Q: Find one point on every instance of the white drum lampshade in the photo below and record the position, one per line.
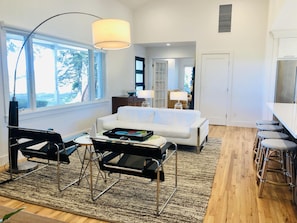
(111, 34)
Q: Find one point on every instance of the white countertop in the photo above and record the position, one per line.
(286, 113)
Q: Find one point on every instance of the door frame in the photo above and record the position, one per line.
(198, 82)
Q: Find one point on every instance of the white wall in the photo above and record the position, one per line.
(120, 64)
(197, 20)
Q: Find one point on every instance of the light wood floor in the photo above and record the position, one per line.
(234, 195)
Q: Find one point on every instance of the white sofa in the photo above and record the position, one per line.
(184, 127)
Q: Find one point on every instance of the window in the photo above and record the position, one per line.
(188, 79)
(139, 73)
(52, 72)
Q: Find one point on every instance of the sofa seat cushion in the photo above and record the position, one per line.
(158, 129)
(172, 131)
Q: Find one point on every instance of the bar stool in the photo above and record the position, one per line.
(285, 150)
(275, 128)
(267, 122)
(266, 135)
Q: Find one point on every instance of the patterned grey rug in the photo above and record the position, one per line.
(128, 201)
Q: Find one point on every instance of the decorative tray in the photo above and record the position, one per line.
(128, 134)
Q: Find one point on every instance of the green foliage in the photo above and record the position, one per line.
(72, 66)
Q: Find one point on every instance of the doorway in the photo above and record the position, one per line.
(215, 85)
(177, 54)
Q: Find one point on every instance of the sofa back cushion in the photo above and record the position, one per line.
(176, 117)
(135, 114)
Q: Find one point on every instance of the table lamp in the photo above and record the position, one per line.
(107, 34)
(146, 94)
(179, 96)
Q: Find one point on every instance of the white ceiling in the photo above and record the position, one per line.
(133, 4)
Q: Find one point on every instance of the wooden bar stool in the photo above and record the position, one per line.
(285, 151)
(266, 135)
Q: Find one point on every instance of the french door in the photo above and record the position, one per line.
(160, 87)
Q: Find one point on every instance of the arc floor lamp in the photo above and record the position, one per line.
(107, 34)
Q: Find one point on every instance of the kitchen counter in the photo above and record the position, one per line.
(286, 113)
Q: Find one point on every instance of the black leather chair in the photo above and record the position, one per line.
(137, 159)
(44, 145)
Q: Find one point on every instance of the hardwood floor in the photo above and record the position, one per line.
(234, 194)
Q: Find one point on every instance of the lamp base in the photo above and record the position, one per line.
(145, 103)
(25, 167)
(13, 113)
(178, 105)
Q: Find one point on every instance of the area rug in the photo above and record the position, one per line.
(129, 200)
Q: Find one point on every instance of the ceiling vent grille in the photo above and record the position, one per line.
(225, 15)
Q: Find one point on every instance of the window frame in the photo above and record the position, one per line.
(137, 72)
(30, 61)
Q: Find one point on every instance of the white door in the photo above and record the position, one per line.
(160, 86)
(214, 95)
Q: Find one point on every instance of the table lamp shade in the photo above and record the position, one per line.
(111, 34)
(145, 94)
(179, 95)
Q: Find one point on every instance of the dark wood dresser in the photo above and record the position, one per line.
(125, 100)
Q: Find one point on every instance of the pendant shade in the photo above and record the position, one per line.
(111, 34)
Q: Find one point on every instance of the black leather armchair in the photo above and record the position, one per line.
(42, 144)
(137, 159)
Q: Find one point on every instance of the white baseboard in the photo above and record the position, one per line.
(247, 124)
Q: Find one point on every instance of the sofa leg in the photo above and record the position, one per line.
(199, 148)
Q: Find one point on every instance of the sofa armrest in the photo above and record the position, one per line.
(200, 128)
(197, 123)
(100, 121)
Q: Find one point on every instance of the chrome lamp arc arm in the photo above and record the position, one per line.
(107, 34)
